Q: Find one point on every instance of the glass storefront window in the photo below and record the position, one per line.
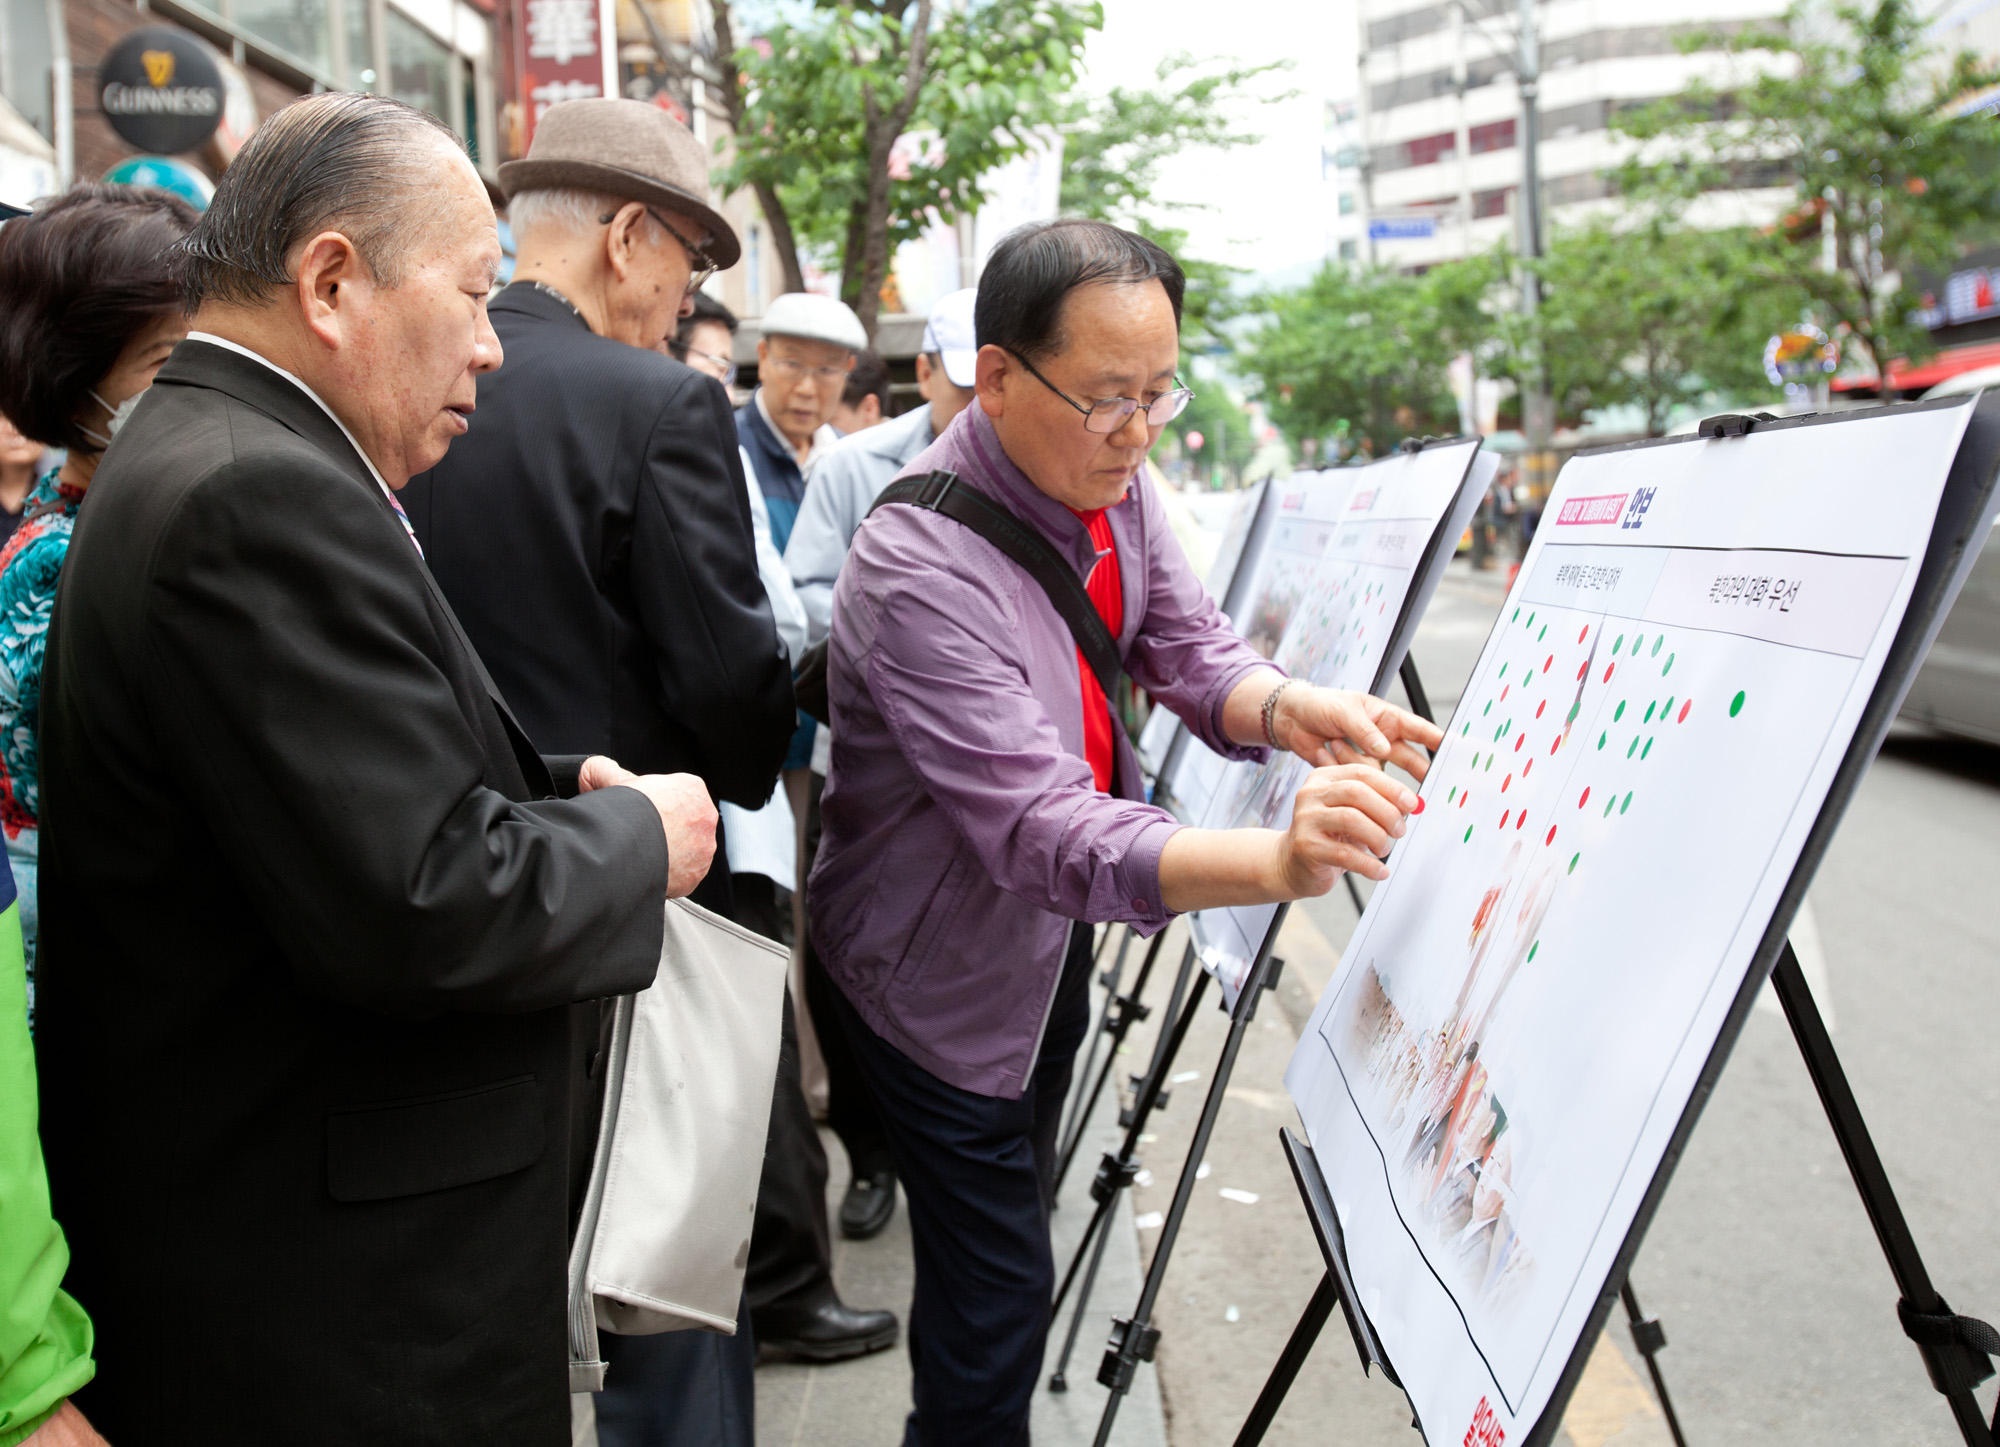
(297, 27)
(419, 68)
(25, 60)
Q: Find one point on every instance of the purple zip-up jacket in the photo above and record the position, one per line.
(962, 832)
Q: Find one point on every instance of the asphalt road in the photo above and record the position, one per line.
(1778, 1308)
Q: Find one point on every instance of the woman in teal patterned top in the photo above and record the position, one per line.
(88, 311)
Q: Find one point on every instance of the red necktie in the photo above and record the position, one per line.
(1107, 592)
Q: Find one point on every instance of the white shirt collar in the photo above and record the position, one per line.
(243, 351)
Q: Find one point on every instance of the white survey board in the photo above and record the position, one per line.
(1346, 568)
(1492, 1078)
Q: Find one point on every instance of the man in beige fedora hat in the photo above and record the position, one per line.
(592, 530)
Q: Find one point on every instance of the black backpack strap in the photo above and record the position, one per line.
(943, 492)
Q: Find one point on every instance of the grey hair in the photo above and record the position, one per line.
(559, 207)
(345, 162)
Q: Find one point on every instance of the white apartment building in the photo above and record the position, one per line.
(1428, 160)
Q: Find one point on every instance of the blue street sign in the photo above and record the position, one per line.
(1402, 228)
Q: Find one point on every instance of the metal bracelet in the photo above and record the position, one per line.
(1271, 710)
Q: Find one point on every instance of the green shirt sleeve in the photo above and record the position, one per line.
(45, 1338)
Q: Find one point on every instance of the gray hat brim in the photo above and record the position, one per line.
(517, 176)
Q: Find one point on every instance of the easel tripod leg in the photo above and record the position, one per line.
(1079, 1108)
(1131, 1011)
(1059, 1379)
(1324, 1297)
(1649, 1337)
(1955, 1363)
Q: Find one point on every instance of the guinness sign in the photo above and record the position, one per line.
(161, 90)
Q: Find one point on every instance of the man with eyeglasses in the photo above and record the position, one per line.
(984, 807)
(592, 532)
(808, 347)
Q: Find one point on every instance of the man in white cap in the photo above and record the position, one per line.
(808, 347)
(845, 483)
(848, 478)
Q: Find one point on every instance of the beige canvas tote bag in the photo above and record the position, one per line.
(665, 1229)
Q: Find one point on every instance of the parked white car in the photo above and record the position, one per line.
(1958, 689)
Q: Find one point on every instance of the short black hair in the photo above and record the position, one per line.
(338, 161)
(707, 311)
(1035, 268)
(79, 278)
(870, 378)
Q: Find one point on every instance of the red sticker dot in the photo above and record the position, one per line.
(1555, 743)
(1527, 768)
(1607, 671)
(1684, 711)
(1519, 739)
(1586, 631)
(1581, 669)
(1540, 706)
(1522, 820)
(1586, 797)
(1552, 835)
(1503, 817)
(1548, 663)
(1463, 797)
(1505, 782)
(1420, 805)
(1503, 692)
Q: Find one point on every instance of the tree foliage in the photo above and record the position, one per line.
(1853, 108)
(825, 95)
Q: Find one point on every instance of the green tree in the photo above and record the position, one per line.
(1659, 317)
(819, 100)
(1370, 349)
(1853, 107)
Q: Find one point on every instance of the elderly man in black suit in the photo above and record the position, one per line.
(323, 932)
(593, 531)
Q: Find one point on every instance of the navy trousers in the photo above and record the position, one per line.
(978, 1174)
(679, 1389)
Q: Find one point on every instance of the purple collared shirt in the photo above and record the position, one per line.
(962, 831)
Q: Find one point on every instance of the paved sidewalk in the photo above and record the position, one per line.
(863, 1403)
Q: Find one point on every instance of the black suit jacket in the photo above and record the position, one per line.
(313, 927)
(592, 531)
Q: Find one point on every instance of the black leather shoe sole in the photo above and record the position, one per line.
(866, 1210)
(830, 1349)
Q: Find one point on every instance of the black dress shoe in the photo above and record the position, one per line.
(868, 1205)
(831, 1332)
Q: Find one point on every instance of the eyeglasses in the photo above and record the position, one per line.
(1108, 414)
(792, 370)
(698, 259)
(725, 369)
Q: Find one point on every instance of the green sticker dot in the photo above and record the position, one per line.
(1488, 709)
(1468, 835)
(1517, 613)
(1736, 705)
(1630, 750)
(1531, 951)
(1626, 805)
(1637, 639)
(1503, 670)
(1647, 750)
(1574, 710)
(1619, 712)
(1667, 667)
(1531, 617)
(1452, 795)
(1656, 644)
(1489, 763)
(1619, 644)
(1667, 707)
(1466, 730)
(1609, 805)
(1543, 634)
(1649, 713)
(1600, 739)
(1572, 862)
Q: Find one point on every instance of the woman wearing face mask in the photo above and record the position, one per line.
(88, 311)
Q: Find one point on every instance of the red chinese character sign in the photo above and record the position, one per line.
(1493, 1079)
(566, 50)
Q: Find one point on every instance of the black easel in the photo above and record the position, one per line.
(1134, 1338)
(1079, 1110)
(1120, 1014)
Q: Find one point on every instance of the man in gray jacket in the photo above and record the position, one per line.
(855, 470)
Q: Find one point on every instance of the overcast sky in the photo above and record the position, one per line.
(1269, 205)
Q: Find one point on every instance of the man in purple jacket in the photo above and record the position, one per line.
(982, 811)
